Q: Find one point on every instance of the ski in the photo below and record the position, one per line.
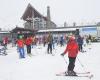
(30, 55)
(76, 72)
(82, 72)
(83, 51)
(88, 76)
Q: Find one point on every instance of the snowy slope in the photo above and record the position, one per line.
(43, 66)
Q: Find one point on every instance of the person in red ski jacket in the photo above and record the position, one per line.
(5, 42)
(72, 50)
(28, 43)
(20, 45)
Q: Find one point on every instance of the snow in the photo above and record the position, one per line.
(43, 66)
(63, 29)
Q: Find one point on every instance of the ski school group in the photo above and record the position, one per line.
(73, 46)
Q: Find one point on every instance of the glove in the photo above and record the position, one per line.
(62, 54)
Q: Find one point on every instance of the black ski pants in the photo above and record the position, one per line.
(28, 49)
(49, 49)
(80, 47)
(71, 63)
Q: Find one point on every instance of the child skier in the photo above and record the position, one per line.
(20, 44)
(72, 49)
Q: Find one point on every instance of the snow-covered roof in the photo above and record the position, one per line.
(4, 32)
(54, 30)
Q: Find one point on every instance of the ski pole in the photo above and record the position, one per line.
(64, 59)
(80, 62)
(82, 65)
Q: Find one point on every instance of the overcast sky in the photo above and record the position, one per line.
(79, 11)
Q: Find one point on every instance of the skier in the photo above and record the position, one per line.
(61, 41)
(80, 43)
(34, 41)
(72, 49)
(28, 45)
(5, 42)
(49, 41)
(90, 39)
(44, 40)
(20, 45)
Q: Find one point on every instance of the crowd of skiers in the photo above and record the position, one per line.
(74, 45)
(48, 39)
(29, 41)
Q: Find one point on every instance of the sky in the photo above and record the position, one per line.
(79, 11)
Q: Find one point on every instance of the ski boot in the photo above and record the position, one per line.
(71, 73)
(74, 73)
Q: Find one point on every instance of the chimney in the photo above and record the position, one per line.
(48, 13)
(48, 17)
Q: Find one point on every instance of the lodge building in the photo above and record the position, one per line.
(34, 20)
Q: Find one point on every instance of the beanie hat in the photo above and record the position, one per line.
(20, 37)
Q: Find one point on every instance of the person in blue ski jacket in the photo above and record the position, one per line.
(80, 43)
